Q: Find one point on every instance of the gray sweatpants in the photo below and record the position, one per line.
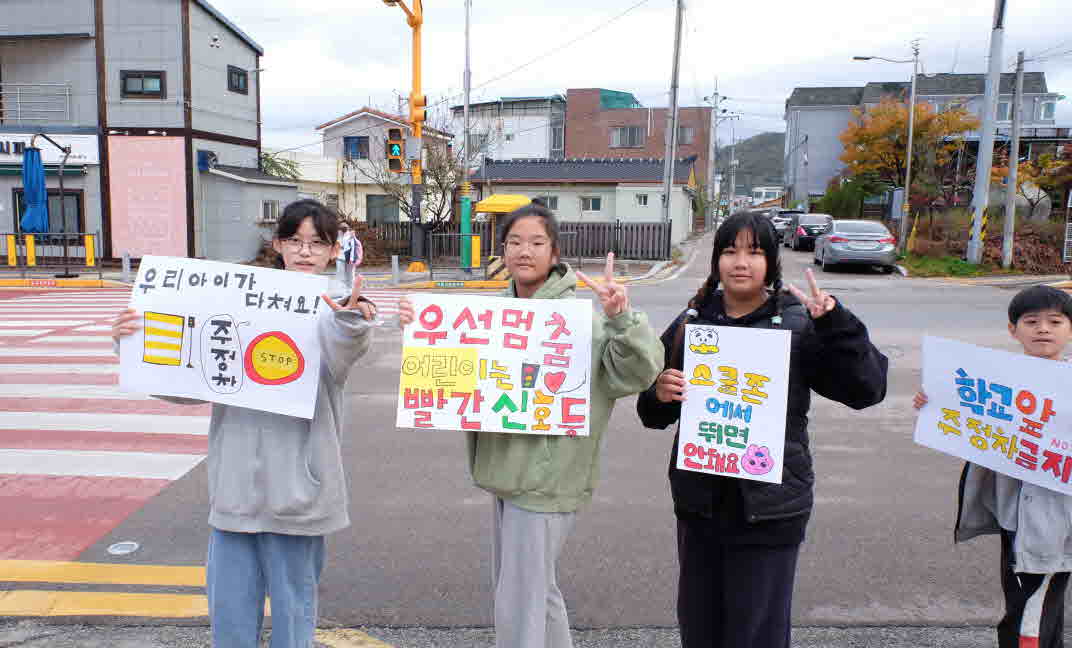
(529, 609)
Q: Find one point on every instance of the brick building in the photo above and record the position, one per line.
(609, 124)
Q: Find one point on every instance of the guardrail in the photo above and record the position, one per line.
(48, 252)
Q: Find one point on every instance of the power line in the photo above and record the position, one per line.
(542, 56)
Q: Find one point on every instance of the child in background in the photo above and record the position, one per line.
(1035, 523)
(276, 482)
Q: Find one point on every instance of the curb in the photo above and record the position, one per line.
(61, 283)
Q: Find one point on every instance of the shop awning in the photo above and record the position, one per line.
(50, 170)
(501, 203)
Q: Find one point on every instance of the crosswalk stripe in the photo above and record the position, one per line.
(136, 465)
(107, 422)
(50, 367)
(70, 391)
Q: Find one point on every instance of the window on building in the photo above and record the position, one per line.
(642, 200)
(237, 80)
(72, 220)
(331, 201)
(141, 84)
(558, 137)
(269, 211)
(356, 147)
(478, 143)
(1003, 111)
(1048, 109)
(627, 137)
(509, 137)
(591, 203)
(550, 202)
(685, 135)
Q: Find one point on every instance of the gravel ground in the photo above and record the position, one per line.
(36, 634)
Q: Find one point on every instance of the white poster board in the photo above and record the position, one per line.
(225, 333)
(733, 418)
(1005, 411)
(496, 364)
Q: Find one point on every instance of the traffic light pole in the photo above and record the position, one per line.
(415, 19)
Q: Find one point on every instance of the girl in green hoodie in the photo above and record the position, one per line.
(538, 482)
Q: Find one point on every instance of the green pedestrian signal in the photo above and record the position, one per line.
(396, 150)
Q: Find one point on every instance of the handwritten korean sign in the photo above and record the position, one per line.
(496, 364)
(999, 410)
(733, 419)
(225, 333)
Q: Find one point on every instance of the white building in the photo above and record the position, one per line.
(514, 128)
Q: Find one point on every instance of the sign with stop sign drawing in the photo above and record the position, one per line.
(225, 333)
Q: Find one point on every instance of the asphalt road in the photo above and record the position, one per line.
(879, 549)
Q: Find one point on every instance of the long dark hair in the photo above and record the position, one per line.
(325, 221)
(763, 237)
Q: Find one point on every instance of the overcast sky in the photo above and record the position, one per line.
(324, 58)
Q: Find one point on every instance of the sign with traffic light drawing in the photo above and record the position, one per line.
(225, 333)
(496, 364)
(733, 419)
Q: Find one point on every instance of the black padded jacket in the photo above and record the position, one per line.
(832, 355)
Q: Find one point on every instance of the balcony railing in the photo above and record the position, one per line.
(35, 102)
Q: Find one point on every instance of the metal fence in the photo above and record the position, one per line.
(640, 241)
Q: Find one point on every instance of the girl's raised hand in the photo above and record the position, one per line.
(670, 386)
(406, 314)
(366, 308)
(612, 295)
(819, 302)
(125, 323)
(920, 400)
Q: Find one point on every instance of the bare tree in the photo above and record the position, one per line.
(443, 171)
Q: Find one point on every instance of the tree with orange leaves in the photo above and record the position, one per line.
(874, 143)
(1036, 179)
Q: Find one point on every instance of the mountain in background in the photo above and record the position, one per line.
(760, 161)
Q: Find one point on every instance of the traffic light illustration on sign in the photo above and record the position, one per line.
(396, 150)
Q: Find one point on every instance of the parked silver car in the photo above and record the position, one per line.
(856, 241)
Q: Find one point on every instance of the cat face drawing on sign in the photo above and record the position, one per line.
(703, 340)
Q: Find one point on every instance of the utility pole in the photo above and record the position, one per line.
(984, 160)
(467, 204)
(1014, 163)
(733, 166)
(671, 115)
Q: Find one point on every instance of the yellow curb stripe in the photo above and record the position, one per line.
(54, 571)
(348, 638)
(56, 283)
(36, 603)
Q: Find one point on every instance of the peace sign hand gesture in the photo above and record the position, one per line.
(365, 307)
(611, 294)
(819, 302)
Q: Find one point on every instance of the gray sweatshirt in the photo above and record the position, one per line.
(280, 474)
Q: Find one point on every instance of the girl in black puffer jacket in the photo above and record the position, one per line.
(738, 540)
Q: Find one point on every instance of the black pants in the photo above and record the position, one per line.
(732, 596)
(1019, 588)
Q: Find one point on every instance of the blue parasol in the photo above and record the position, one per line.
(35, 219)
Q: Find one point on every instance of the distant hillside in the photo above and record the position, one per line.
(761, 158)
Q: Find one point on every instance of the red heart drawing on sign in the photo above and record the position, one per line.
(554, 380)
